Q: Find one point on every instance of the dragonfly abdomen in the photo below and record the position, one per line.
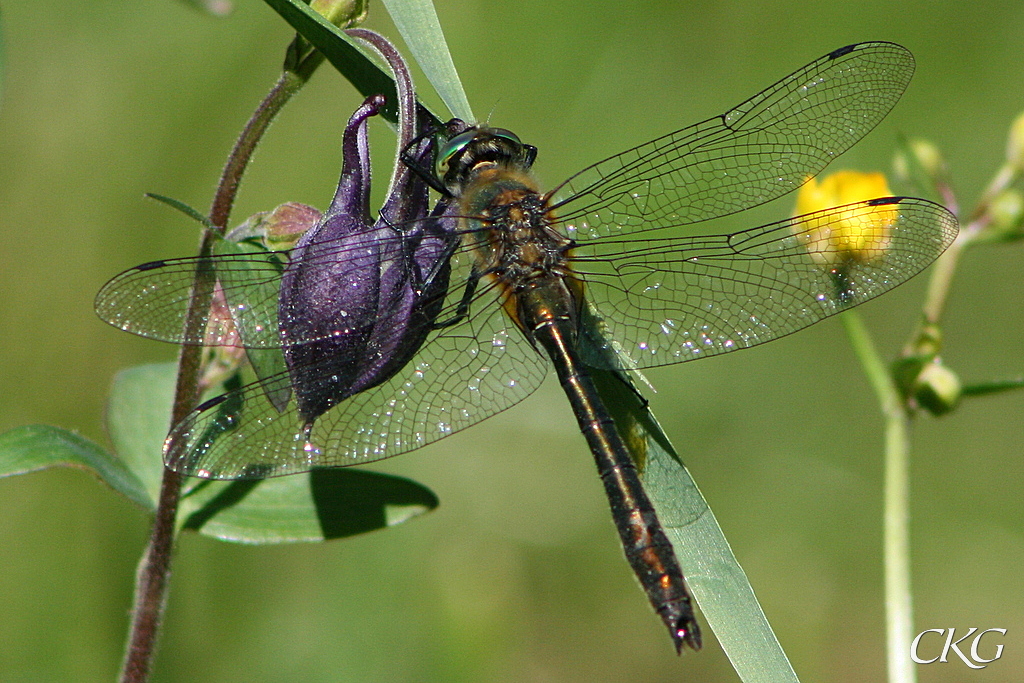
(647, 548)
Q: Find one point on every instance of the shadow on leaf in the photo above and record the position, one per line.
(317, 506)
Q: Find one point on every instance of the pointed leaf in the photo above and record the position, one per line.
(993, 387)
(35, 447)
(182, 207)
(417, 21)
(343, 53)
(138, 419)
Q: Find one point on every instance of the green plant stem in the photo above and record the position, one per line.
(942, 279)
(942, 274)
(897, 414)
(898, 604)
(155, 567)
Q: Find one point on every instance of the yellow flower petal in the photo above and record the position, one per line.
(845, 235)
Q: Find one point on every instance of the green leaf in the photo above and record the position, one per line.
(714, 576)
(993, 387)
(260, 308)
(182, 207)
(35, 447)
(138, 419)
(343, 53)
(417, 21)
(315, 506)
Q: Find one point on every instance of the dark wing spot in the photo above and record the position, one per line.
(885, 201)
(215, 401)
(836, 54)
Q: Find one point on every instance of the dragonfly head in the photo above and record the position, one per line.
(478, 147)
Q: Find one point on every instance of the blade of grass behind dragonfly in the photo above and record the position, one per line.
(344, 54)
(714, 577)
(417, 21)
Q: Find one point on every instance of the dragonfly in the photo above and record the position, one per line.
(523, 275)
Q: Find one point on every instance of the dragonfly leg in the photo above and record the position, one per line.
(463, 309)
(429, 175)
(439, 264)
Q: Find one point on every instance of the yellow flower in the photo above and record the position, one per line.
(843, 236)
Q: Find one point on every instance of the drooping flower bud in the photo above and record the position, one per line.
(278, 229)
(937, 388)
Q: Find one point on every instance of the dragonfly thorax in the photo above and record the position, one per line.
(519, 249)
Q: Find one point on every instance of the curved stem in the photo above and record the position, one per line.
(155, 567)
(942, 274)
(287, 85)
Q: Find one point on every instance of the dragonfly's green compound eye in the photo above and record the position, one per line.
(507, 134)
(451, 148)
(459, 143)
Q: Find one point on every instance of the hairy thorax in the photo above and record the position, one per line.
(518, 247)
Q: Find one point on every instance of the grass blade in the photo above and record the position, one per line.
(343, 54)
(417, 21)
(714, 576)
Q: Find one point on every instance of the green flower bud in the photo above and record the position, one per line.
(918, 162)
(937, 388)
(1007, 211)
(287, 223)
(928, 156)
(279, 229)
(1015, 143)
(342, 13)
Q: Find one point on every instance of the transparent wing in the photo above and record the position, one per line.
(463, 374)
(152, 299)
(757, 151)
(670, 300)
(751, 154)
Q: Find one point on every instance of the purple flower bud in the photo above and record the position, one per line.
(367, 292)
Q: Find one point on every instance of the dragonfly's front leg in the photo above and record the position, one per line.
(463, 308)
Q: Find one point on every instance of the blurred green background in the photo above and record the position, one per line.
(518, 576)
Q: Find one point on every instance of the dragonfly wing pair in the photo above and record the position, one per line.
(663, 299)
